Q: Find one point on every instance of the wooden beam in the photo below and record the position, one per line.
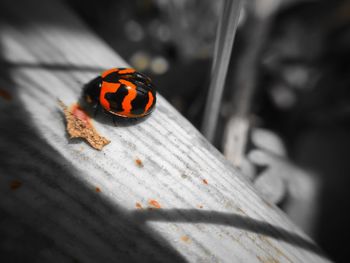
(159, 192)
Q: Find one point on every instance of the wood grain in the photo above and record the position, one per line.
(159, 192)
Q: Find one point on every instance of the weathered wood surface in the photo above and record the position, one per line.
(63, 201)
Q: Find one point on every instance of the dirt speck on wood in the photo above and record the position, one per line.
(139, 162)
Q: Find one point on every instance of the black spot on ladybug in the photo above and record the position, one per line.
(116, 99)
(139, 103)
(112, 77)
(122, 92)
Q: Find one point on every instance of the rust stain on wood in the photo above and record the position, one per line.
(15, 184)
(138, 205)
(80, 126)
(154, 204)
(139, 163)
(185, 239)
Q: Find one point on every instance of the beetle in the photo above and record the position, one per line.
(122, 92)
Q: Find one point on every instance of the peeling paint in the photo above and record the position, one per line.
(80, 126)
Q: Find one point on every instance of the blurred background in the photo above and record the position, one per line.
(282, 115)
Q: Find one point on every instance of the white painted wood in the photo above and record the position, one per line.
(50, 209)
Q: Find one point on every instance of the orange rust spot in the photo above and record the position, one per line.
(150, 101)
(139, 162)
(185, 238)
(132, 93)
(107, 88)
(200, 206)
(15, 184)
(98, 190)
(107, 72)
(138, 205)
(5, 94)
(205, 181)
(154, 203)
(126, 71)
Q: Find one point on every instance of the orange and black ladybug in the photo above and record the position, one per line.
(123, 92)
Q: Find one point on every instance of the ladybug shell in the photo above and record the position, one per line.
(126, 93)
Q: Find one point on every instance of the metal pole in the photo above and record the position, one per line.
(223, 47)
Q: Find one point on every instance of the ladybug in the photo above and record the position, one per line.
(123, 92)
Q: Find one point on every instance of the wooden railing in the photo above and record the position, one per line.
(159, 192)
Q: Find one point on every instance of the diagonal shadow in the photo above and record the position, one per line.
(228, 219)
(52, 66)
